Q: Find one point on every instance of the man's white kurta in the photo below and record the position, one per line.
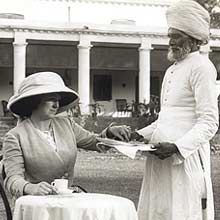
(172, 188)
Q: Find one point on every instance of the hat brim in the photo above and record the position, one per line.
(20, 105)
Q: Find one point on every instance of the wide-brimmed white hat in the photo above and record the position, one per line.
(38, 84)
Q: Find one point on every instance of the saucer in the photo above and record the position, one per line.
(65, 191)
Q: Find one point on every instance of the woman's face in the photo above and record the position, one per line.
(48, 106)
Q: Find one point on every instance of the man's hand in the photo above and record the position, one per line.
(164, 150)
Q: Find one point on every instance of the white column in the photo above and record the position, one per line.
(19, 61)
(144, 71)
(84, 75)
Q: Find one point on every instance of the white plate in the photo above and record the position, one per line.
(113, 143)
(65, 192)
(128, 148)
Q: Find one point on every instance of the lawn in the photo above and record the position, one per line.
(109, 173)
(118, 175)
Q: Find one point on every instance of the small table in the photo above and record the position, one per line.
(78, 206)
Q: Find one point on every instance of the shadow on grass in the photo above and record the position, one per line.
(125, 187)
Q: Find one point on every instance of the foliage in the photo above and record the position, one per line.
(213, 7)
(96, 109)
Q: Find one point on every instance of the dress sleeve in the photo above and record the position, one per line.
(147, 131)
(203, 85)
(13, 162)
(84, 138)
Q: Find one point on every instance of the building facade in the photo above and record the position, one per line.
(103, 61)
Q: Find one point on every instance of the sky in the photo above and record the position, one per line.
(79, 12)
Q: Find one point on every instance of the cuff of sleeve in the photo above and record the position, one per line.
(187, 145)
(178, 159)
(140, 132)
(24, 187)
(19, 187)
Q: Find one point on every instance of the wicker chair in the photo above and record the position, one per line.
(4, 196)
(121, 105)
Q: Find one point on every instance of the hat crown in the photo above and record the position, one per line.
(38, 84)
(39, 80)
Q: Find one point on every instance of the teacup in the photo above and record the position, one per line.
(60, 184)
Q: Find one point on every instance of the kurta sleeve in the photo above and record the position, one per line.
(203, 85)
(147, 131)
(13, 161)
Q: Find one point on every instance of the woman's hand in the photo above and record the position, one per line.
(121, 132)
(42, 188)
(135, 136)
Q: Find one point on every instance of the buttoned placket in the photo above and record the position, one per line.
(167, 89)
(168, 83)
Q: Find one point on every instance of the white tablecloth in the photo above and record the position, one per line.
(78, 206)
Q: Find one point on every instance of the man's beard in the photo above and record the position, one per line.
(179, 53)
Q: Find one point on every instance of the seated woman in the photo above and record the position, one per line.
(43, 146)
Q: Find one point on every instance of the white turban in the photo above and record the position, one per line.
(191, 18)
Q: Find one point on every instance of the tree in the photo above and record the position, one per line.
(213, 7)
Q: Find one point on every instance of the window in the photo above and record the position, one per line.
(102, 87)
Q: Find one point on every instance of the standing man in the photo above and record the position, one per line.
(177, 182)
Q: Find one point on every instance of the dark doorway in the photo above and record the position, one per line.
(102, 87)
